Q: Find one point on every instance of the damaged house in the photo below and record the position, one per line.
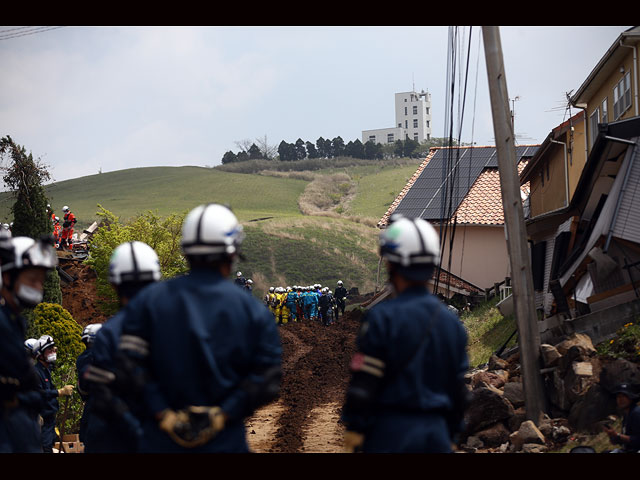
(584, 205)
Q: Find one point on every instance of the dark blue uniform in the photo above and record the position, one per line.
(407, 392)
(203, 343)
(112, 426)
(82, 363)
(51, 406)
(19, 427)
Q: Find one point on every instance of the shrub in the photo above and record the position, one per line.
(626, 343)
(53, 319)
(161, 234)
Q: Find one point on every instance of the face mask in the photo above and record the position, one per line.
(29, 296)
(51, 358)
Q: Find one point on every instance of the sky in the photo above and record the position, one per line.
(86, 100)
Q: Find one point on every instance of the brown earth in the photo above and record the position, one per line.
(315, 359)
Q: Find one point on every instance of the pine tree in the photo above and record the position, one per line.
(25, 177)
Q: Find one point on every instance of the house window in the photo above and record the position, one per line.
(415, 123)
(594, 119)
(405, 110)
(428, 123)
(400, 125)
(605, 114)
(406, 124)
(427, 110)
(415, 137)
(390, 138)
(372, 138)
(622, 96)
(415, 110)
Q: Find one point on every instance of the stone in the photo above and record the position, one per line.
(514, 392)
(527, 433)
(489, 378)
(560, 434)
(519, 416)
(619, 371)
(550, 355)
(473, 442)
(590, 409)
(486, 407)
(533, 448)
(497, 363)
(580, 340)
(494, 436)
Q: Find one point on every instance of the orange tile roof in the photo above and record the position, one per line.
(483, 203)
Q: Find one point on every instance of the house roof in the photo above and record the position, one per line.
(607, 64)
(467, 177)
(557, 132)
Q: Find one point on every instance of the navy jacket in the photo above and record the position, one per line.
(412, 355)
(204, 342)
(19, 428)
(49, 392)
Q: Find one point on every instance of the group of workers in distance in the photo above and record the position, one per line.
(186, 360)
(311, 302)
(63, 233)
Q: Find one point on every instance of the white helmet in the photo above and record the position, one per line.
(239, 274)
(250, 282)
(134, 262)
(211, 229)
(25, 252)
(44, 342)
(89, 332)
(340, 282)
(29, 345)
(410, 242)
(271, 289)
(65, 209)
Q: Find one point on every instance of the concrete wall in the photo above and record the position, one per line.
(602, 325)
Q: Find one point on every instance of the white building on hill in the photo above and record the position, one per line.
(413, 120)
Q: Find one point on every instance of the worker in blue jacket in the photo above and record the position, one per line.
(407, 392)
(292, 296)
(83, 362)
(114, 425)
(46, 352)
(210, 354)
(24, 266)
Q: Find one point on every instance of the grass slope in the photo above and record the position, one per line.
(169, 190)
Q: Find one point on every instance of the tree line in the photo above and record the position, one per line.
(329, 148)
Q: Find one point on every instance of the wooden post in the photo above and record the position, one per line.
(521, 277)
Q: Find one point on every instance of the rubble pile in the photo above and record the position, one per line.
(577, 383)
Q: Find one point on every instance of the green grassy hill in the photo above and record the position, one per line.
(283, 246)
(170, 190)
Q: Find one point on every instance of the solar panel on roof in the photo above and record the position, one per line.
(445, 181)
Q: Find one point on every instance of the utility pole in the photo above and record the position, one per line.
(521, 277)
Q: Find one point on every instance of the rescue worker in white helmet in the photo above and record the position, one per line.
(407, 391)
(341, 298)
(46, 354)
(211, 354)
(24, 265)
(113, 425)
(240, 280)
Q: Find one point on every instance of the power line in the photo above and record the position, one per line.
(33, 31)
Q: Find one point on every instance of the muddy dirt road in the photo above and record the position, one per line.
(306, 418)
